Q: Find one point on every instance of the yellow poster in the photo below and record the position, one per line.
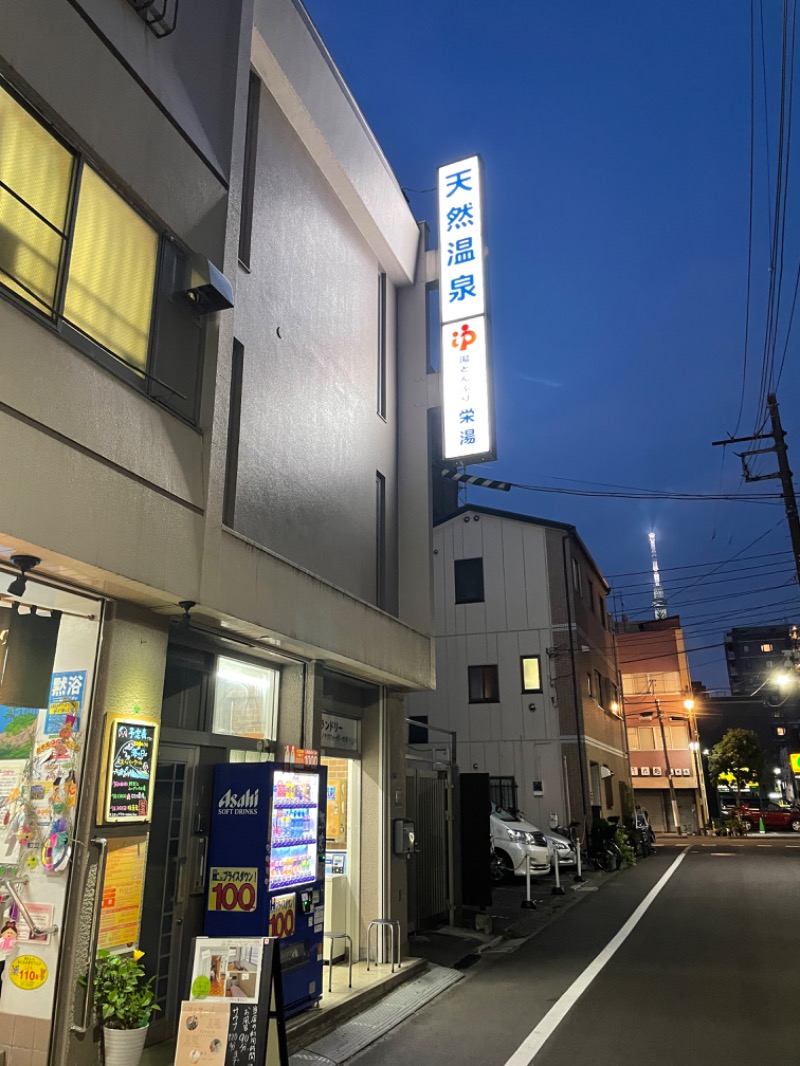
(123, 885)
(232, 888)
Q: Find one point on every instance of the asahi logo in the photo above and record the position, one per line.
(232, 803)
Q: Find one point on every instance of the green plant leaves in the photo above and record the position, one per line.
(123, 997)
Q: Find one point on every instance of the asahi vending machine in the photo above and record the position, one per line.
(266, 874)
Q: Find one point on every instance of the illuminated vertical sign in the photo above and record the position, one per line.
(467, 415)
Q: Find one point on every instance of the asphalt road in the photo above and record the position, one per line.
(706, 975)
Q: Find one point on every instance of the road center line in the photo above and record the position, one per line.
(533, 1043)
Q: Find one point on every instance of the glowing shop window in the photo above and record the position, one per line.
(245, 700)
(111, 272)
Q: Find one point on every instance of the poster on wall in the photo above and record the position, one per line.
(129, 758)
(121, 907)
(66, 699)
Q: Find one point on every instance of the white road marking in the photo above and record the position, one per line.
(791, 845)
(533, 1043)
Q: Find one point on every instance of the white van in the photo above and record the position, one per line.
(514, 841)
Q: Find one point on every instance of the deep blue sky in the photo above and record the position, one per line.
(616, 142)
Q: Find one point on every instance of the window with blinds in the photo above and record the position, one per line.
(73, 249)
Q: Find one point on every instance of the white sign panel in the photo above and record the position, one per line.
(467, 417)
(465, 389)
(462, 288)
(341, 733)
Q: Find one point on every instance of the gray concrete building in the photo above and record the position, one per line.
(213, 393)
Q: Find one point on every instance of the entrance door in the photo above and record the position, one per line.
(174, 903)
(429, 868)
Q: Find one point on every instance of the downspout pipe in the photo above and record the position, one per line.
(576, 688)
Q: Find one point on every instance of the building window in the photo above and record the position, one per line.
(598, 688)
(601, 603)
(249, 170)
(76, 251)
(234, 422)
(608, 786)
(766, 647)
(380, 540)
(382, 334)
(531, 673)
(468, 575)
(112, 270)
(245, 700)
(780, 731)
(577, 584)
(647, 738)
(633, 739)
(484, 686)
(589, 688)
(590, 588)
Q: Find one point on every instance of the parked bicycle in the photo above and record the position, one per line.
(603, 851)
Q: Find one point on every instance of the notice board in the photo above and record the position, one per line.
(129, 760)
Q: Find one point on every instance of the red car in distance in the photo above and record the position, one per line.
(773, 814)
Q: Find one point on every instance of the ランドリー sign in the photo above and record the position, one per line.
(467, 414)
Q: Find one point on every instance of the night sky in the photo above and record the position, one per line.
(616, 139)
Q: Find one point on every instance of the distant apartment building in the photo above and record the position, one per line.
(754, 654)
(526, 675)
(660, 722)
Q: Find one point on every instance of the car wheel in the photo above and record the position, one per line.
(794, 825)
(506, 863)
(747, 825)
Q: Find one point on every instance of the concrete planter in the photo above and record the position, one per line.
(123, 1047)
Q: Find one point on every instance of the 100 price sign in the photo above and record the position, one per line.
(232, 888)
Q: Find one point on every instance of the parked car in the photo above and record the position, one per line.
(774, 815)
(516, 841)
(564, 846)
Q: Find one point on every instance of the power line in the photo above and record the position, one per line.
(689, 566)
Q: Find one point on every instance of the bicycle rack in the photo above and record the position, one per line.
(8, 884)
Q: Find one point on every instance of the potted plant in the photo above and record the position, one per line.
(124, 1001)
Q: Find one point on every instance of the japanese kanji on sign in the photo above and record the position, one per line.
(467, 416)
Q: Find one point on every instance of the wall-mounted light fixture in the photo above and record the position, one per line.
(23, 563)
(209, 289)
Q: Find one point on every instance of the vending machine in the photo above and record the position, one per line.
(266, 866)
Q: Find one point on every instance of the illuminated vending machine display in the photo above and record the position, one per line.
(266, 871)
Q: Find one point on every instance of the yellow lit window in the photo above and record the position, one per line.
(38, 172)
(111, 272)
(531, 674)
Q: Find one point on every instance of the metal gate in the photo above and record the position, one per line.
(430, 889)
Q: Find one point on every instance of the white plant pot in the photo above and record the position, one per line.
(123, 1047)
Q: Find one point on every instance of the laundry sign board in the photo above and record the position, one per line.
(130, 749)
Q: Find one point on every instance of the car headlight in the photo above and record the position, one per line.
(561, 845)
(518, 835)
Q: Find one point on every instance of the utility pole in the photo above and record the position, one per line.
(673, 798)
(783, 474)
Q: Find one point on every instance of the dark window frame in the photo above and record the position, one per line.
(380, 540)
(522, 661)
(492, 673)
(463, 574)
(143, 381)
(382, 346)
(234, 426)
(249, 170)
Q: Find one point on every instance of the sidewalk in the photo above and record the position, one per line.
(445, 952)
